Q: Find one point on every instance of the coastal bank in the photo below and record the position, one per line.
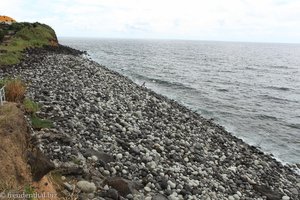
(114, 139)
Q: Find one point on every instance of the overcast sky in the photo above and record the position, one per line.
(224, 20)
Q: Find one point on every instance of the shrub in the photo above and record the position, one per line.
(14, 90)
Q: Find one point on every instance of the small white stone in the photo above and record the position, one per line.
(239, 193)
(113, 171)
(195, 173)
(106, 187)
(223, 158)
(285, 198)
(230, 198)
(222, 188)
(236, 196)
(186, 159)
(148, 198)
(94, 158)
(106, 172)
(173, 196)
(147, 189)
(232, 168)
(171, 184)
(119, 156)
(63, 178)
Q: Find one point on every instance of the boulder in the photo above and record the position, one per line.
(268, 192)
(124, 187)
(86, 186)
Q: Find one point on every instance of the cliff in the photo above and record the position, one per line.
(16, 37)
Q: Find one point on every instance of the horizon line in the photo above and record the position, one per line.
(177, 39)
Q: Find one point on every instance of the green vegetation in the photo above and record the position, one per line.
(26, 35)
(30, 192)
(2, 82)
(31, 106)
(38, 123)
(15, 92)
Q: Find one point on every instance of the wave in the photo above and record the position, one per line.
(223, 90)
(266, 117)
(268, 97)
(296, 126)
(278, 88)
(279, 67)
(172, 84)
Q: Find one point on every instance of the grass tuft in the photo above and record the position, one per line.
(38, 123)
(14, 90)
(30, 106)
(29, 191)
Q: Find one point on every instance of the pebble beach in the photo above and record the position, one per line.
(128, 142)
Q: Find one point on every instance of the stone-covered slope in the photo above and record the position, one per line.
(107, 126)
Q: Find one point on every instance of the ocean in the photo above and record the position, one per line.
(252, 89)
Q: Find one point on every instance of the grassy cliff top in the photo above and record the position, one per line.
(15, 38)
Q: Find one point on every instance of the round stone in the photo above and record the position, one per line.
(94, 158)
(119, 156)
(147, 189)
(106, 187)
(236, 196)
(231, 198)
(285, 198)
(171, 184)
(239, 193)
(86, 186)
(106, 172)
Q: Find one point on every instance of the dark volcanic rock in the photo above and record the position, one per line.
(268, 192)
(124, 187)
(39, 163)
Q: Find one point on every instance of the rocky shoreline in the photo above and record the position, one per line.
(119, 140)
